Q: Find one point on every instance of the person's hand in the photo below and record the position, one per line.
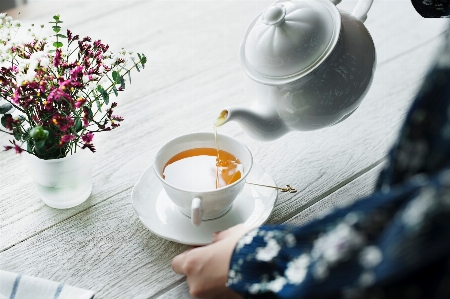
(206, 268)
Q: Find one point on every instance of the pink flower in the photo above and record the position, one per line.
(64, 123)
(16, 96)
(18, 149)
(66, 138)
(9, 121)
(80, 102)
(75, 73)
(69, 35)
(57, 58)
(57, 94)
(85, 116)
(87, 138)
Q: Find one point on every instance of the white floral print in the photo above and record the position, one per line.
(417, 209)
(370, 256)
(267, 253)
(290, 240)
(247, 239)
(337, 244)
(296, 269)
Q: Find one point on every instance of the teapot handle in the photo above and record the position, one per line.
(361, 9)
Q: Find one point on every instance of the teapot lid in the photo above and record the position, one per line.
(289, 39)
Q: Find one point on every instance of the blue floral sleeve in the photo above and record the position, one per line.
(392, 244)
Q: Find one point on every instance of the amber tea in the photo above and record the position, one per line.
(202, 169)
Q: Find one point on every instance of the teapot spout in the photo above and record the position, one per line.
(260, 123)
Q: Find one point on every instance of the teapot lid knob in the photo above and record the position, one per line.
(289, 39)
(274, 14)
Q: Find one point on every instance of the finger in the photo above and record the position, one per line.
(217, 236)
(178, 262)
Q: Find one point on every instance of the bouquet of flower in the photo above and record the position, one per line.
(56, 88)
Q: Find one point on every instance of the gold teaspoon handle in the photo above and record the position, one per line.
(287, 188)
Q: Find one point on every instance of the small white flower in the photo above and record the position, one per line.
(33, 64)
(85, 79)
(296, 269)
(16, 24)
(45, 62)
(269, 252)
(30, 75)
(2, 16)
(90, 86)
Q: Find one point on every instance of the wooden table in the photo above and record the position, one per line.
(193, 72)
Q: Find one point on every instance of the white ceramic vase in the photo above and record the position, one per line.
(62, 183)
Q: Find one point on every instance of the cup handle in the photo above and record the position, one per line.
(196, 213)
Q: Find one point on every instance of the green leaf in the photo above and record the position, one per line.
(91, 115)
(40, 147)
(122, 82)
(56, 29)
(105, 97)
(56, 17)
(21, 118)
(104, 94)
(137, 66)
(57, 44)
(78, 125)
(115, 92)
(99, 105)
(142, 59)
(5, 108)
(3, 120)
(61, 35)
(30, 146)
(115, 76)
(38, 133)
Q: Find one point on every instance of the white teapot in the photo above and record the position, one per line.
(314, 65)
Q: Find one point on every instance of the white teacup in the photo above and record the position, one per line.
(203, 204)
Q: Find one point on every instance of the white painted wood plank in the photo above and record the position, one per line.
(360, 187)
(315, 161)
(104, 248)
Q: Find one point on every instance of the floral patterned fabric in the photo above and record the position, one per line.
(392, 244)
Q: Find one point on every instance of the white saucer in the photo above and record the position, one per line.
(161, 216)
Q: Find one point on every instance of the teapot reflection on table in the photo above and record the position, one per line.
(313, 64)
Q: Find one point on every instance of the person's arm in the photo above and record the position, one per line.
(384, 240)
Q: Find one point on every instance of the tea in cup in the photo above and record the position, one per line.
(202, 181)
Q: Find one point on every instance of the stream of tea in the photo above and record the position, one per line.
(203, 168)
